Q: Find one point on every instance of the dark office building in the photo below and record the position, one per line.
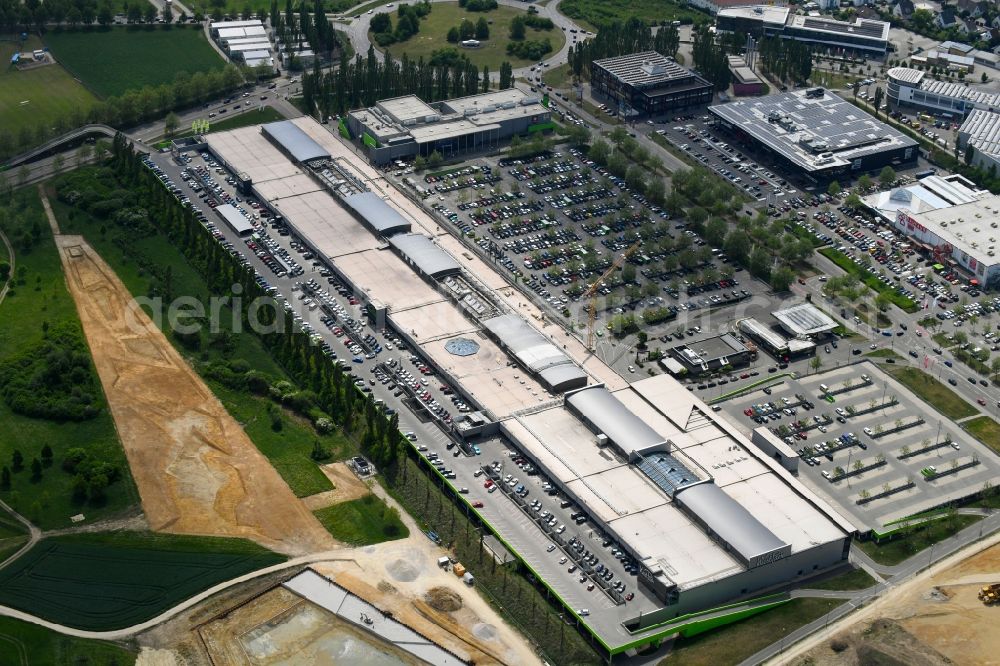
(648, 83)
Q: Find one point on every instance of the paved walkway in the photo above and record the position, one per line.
(53, 222)
(13, 266)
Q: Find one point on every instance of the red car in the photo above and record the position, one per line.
(477, 504)
(981, 401)
(488, 483)
(748, 411)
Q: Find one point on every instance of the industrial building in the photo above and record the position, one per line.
(715, 6)
(816, 133)
(911, 88)
(707, 516)
(950, 221)
(981, 130)
(712, 354)
(745, 80)
(648, 83)
(861, 36)
(246, 42)
(404, 127)
(805, 321)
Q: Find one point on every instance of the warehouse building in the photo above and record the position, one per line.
(404, 127)
(861, 36)
(816, 133)
(911, 88)
(707, 517)
(648, 83)
(981, 130)
(245, 42)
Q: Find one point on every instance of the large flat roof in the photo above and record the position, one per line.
(646, 69)
(804, 319)
(802, 129)
(289, 136)
(772, 14)
(926, 194)
(859, 28)
(234, 218)
(966, 227)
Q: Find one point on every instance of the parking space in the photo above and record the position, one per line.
(868, 445)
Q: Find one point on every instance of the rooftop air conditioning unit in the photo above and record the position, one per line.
(602, 439)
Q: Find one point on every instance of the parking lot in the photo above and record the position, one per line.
(867, 444)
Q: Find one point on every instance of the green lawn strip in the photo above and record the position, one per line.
(363, 521)
(867, 277)
(10, 526)
(493, 51)
(36, 97)
(855, 579)
(43, 297)
(558, 77)
(113, 60)
(106, 581)
(884, 353)
(26, 643)
(287, 449)
(942, 340)
(907, 543)
(932, 391)
(592, 13)
(986, 430)
(252, 117)
(734, 643)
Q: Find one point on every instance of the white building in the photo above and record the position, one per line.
(959, 224)
(912, 88)
(981, 130)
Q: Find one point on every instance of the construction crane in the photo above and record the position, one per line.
(591, 293)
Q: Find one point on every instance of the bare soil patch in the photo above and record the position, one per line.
(196, 469)
(346, 486)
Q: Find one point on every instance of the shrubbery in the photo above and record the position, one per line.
(54, 380)
(529, 49)
(478, 5)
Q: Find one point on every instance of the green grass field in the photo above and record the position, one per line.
(13, 535)
(288, 449)
(26, 643)
(558, 77)
(434, 29)
(29, 98)
(932, 391)
(44, 298)
(112, 61)
(986, 430)
(884, 353)
(855, 579)
(253, 117)
(108, 581)
(894, 550)
(592, 13)
(363, 521)
(733, 643)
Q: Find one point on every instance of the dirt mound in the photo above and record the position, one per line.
(402, 571)
(387, 587)
(443, 599)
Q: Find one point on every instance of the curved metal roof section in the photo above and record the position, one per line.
(730, 521)
(609, 416)
(379, 215)
(536, 352)
(423, 253)
(294, 141)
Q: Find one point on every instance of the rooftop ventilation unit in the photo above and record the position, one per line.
(653, 69)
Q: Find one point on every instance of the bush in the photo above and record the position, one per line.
(54, 380)
(529, 49)
(478, 5)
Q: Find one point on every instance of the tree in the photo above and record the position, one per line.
(453, 35)
(482, 28)
(816, 363)
(47, 455)
(834, 189)
(170, 124)
(517, 28)
(887, 176)
(419, 163)
(17, 460)
(781, 278)
(149, 13)
(168, 14)
(36, 470)
(864, 182)
(434, 160)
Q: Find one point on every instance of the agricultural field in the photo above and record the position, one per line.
(25, 643)
(114, 60)
(35, 303)
(109, 581)
(33, 97)
(445, 15)
(363, 521)
(592, 13)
